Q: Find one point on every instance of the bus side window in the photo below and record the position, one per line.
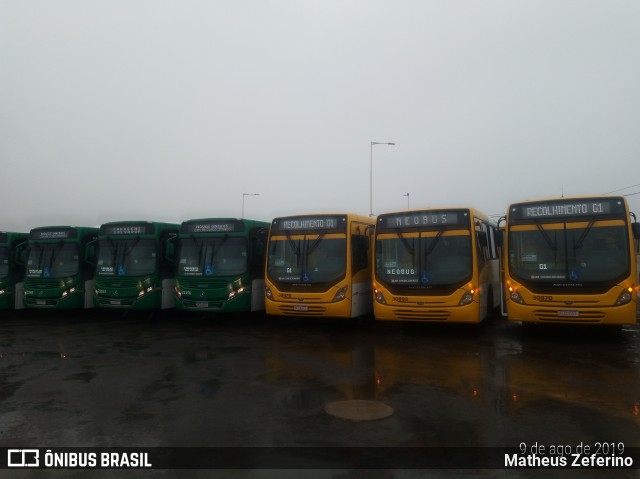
(493, 250)
(481, 242)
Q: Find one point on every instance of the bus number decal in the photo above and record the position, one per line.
(542, 298)
(401, 299)
(543, 266)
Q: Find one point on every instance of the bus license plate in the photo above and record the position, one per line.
(572, 314)
(301, 308)
(202, 305)
(115, 302)
(41, 302)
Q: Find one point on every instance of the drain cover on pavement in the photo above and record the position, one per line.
(358, 410)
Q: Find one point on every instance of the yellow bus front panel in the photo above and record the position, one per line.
(423, 308)
(605, 308)
(336, 302)
(571, 261)
(319, 265)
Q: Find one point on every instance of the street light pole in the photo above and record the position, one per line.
(247, 194)
(407, 195)
(371, 174)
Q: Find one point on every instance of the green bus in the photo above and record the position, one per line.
(12, 247)
(59, 267)
(134, 269)
(220, 265)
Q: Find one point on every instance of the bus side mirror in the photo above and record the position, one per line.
(20, 254)
(635, 227)
(90, 252)
(499, 238)
(170, 248)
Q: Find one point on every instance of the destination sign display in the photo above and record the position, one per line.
(310, 223)
(4, 237)
(568, 209)
(52, 234)
(417, 219)
(127, 229)
(194, 227)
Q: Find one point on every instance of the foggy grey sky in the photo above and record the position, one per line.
(170, 110)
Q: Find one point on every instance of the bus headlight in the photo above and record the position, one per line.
(624, 298)
(144, 291)
(2, 291)
(178, 291)
(68, 292)
(236, 292)
(268, 293)
(340, 295)
(467, 298)
(379, 297)
(516, 297)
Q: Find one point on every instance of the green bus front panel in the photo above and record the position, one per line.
(53, 294)
(214, 295)
(133, 293)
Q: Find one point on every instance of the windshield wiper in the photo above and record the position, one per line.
(216, 250)
(294, 247)
(54, 254)
(405, 243)
(546, 237)
(583, 236)
(127, 252)
(433, 244)
(315, 244)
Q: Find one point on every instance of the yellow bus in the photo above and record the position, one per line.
(571, 260)
(437, 265)
(319, 265)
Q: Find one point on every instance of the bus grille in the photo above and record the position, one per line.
(310, 311)
(203, 284)
(49, 285)
(117, 283)
(422, 315)
(585, 317)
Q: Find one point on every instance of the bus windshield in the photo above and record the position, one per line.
(591, 254)
(221, 256)
(126, 257)
(4, 262)
(423, 261)
(309, 259)
(53, 260)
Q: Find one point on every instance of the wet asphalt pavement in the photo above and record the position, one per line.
(140, 380)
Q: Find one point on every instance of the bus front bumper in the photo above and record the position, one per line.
(446, 314)
(610, 315)
(339, 309)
